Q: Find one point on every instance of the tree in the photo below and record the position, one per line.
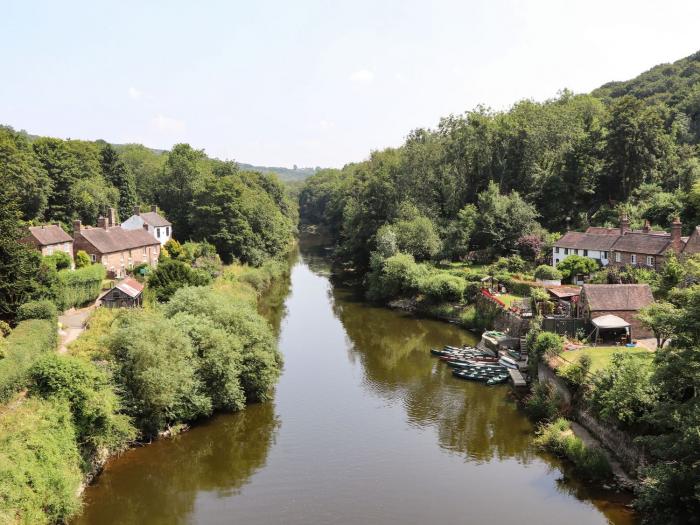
(661, 318)
(82, 259)
(170, 275)
(574, 265)
(117, 174)
(418, 237)
(546, 272)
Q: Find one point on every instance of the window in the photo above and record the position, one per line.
(618, 257)
(65, 247)
(93, 257)
(633, 260)
(167, 231)
(556, 249)
(650, 260)
(585, 253)
(566, 251)
(49, 250)
(121, 258)
(605, 255)
(158, 232)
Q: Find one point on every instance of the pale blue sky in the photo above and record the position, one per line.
(310, 82)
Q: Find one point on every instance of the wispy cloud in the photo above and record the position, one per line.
(134, 93)
(362, 77)
(168, 124)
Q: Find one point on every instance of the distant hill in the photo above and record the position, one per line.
(285, 174)
(676, 85)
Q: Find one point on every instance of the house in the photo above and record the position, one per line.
(49, 239)
(156, 224)
(114, 247)
(619, 300)
(623, 246)
(126, 293)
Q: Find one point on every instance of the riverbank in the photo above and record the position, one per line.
(134, 376)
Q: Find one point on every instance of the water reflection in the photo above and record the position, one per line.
(163, 480)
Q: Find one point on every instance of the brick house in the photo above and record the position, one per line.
(155, 224)
(49, 239)
(113, 246)
(592, 244)
(621, 300)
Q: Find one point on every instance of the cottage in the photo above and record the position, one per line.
(619, 300)
(626, 247)
(114, 247)
(154, 223)
(127, 293)
(49, 239)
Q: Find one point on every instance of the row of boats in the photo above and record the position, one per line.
(472, 364)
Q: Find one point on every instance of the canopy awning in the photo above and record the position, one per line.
(609, 322)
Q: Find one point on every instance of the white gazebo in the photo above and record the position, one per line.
(609, 322)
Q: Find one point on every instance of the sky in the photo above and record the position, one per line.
(311, 82)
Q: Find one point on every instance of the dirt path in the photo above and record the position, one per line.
(72, 323)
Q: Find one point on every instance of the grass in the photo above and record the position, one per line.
(509, 299)
(602, 355)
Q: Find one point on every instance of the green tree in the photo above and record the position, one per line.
(661, 318)
(117, 174)
(574, 265)
(82, 259)
(170, 275)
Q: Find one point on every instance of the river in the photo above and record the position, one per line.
(365, 428)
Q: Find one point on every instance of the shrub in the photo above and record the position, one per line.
(82, 259)
(43, 309)
(39, 464)
(547, 273)
(59, 260)
(397, 276)
(5, 329)
(92, 400)
(548, 343)
(175, 251)
(576, 374)
(442, 287)
(155, 366)
(560, 440)
(574, 265)
(80, 286)
(512, 264)
(22, 348)
(543, 402)
(170, 275)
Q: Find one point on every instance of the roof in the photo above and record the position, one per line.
(564, 292)
(598, 230)
(587, 241)
(609, 321)
(152, 218)
(49, 234)
(646, 243)
(117, 239)
(617, 297)
(130, 287)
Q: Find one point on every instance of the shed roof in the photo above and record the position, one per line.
(617, 297)
(130, 287)
(154, 219)
(587, 241)
(49, 234)
(117, 239)
(564, 292)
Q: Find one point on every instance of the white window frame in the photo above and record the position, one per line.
(93, 257)
(650, 260)
(618, 257)
(633, 258)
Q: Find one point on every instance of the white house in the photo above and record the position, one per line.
(594, 243)
(151, 221)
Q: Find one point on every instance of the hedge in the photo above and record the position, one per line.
(80, 286)
(44, 309)
(27, 342)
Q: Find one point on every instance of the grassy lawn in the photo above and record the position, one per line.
(467, 267)
(601, 355)
(509, 299)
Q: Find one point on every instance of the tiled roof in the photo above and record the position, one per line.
(617, 297)
(154, 219)
(646, 243)
(586, 241)
(49, 234)
(598, 230)
(117, 239)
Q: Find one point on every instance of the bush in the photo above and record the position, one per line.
(543, 402)
(547, 273)
(512, 264)
(39, 464)
(574, 265)
(576, 374)
(443, 287)
(82, 259)
(559, 439)
(155, 367)
(170, 275)
(59, 260)
(397, 276)
(22, 348)
(548, 343)
(43, 309)
(175, 251)
(81, 286)
(5, 329)
(92, 400)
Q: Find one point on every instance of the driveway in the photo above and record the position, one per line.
(72, 323)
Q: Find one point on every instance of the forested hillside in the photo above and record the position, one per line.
(496, 181)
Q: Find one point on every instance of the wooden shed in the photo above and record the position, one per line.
(125, 294)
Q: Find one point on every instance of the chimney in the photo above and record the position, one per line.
(647, 226)
(111, 217)
(154, 208)
(676, 241)
(137, 210)
(77, 226)
(103, 222)
(624, 224)
(145, 226)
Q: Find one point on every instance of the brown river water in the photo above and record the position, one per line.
(365, 428)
